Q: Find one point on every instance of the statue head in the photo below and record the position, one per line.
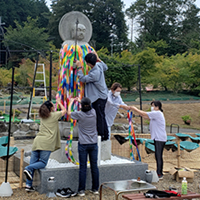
(80, 32)
(67, 28)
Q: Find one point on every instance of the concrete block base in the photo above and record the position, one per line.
(68, 176)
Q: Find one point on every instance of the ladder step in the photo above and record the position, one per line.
(41, 97)
(40, 72)
(40, 88)
(39, 80)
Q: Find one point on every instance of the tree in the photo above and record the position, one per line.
(189, 29)
(120, 68)
(108, 26)
(27, 37)
(163, 20)
(19, 10)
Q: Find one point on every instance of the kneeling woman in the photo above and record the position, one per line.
(46, 141)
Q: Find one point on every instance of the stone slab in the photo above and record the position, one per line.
(60, 156)
(68, 176)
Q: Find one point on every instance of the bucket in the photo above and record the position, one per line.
(148, 176)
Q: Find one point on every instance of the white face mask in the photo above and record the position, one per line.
(152, 108)
(117, 94)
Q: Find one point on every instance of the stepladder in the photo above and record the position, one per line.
(41, 89)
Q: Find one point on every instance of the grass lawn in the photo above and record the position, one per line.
(173, 113)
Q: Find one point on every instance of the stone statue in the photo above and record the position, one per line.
(67, 29)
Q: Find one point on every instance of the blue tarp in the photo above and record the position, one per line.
(150, 148)
(3, 151)
(195, 139)
(4, 140)
(170, 138)
(187, 145)
(197, 134)
(182, 136)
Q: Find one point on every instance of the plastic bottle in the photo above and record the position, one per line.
(184, 186)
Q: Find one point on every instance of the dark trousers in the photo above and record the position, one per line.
(102, 128)
(159, 147)
(84, 150)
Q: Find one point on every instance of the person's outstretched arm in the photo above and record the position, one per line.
(140, 112)
(63, 109)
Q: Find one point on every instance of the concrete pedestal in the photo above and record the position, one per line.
(68, 176)
(60, 156)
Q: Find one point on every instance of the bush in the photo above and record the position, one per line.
(186, 118)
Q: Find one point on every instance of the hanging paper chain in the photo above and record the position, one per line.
(132, 137)
(69, 85)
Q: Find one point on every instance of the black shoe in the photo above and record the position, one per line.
(62, 193)
(28, 175)
(70, 191)
(29, 189)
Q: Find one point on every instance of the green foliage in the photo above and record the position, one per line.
(19, 10)
(174, 22)
(120, 68)
(1, 112)
(29, 37)
(147, 59)
(5, 76)
(185, 118)
(22, 76)
(107, 20)
(17, 112)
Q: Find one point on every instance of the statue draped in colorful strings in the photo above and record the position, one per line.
(75, 30)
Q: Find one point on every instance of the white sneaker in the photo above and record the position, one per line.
(81, 193)
(94, 192)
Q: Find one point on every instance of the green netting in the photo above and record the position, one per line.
(6, 118)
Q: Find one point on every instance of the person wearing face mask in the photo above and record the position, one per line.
(113, 103)
(157, 130)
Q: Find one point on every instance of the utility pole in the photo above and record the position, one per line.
(1, 37)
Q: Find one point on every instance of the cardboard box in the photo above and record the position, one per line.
(179, 174)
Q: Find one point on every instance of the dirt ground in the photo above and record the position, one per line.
(168, 181)
(173, 113)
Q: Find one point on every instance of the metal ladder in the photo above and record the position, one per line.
(39, 88)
